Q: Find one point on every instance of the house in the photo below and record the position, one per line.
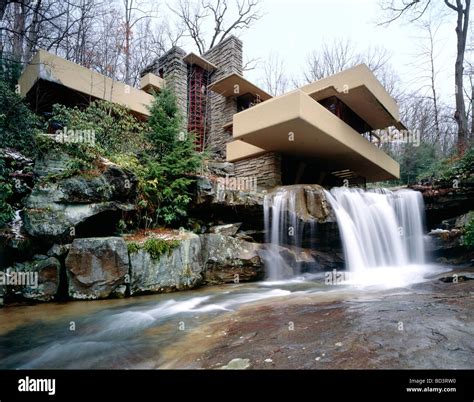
(322, 133)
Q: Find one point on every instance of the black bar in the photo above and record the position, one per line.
(230, 385)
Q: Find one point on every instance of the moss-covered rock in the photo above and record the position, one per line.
(56, 207)
(165, 265)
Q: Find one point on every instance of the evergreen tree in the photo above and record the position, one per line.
(172, 161)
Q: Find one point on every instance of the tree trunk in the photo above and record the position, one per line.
(33, 32)
(19, 31)
(471, 139)
(460, 114)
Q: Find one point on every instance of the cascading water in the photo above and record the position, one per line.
(378, 229)
(286, 213)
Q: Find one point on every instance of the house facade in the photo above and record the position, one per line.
(322, 133)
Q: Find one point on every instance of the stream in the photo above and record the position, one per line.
(200, 328)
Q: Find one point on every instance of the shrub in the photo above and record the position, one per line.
(449, 168)
(468, 238)
(155, 247)
(6, 210)
(83, 157)
(116, 129)
(18, 124)
(10, 70)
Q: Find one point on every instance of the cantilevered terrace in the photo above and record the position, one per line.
(320, 133)
(324, 121)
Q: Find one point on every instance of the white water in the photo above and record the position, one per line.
(280, 220)
(379, 229)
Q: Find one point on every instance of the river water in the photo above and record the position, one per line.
(132, 333)
(382, 234)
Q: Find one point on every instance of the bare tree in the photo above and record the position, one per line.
(133, 14)
(27, 25)
(426, 63)
(274, 79)
(116, 38)
(341, 54)
(197, 15)
(416, 9)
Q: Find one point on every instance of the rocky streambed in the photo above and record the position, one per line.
(297, 324)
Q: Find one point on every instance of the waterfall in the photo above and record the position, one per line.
(379, 228)
(276, 229)
(286, 213)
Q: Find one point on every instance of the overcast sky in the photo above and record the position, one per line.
(294, 28)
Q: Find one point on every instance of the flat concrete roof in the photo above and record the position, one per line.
(151, 82)
(359, 89)
(236, 85)
(51, 68)
(296, 124)
(193, 58)
(237, 150)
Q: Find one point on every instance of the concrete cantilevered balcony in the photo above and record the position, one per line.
(296, 124)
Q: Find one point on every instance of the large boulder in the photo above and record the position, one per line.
(35, 280)
(229, 229)
(213, 191)
(180, 268)
(97, 268)
(445, 200)
(59, 222)
(58, 204)
(307, 201)
(221, 168)
(214, 203)
(446, 242)
(228, 259)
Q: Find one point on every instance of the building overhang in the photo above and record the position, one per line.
(236, 85)
(193, 58)
(295, 124)
(238, 150)
(64, 75)
(151, 83)
(359, 89)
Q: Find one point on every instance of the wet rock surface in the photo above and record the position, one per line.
(446, 241)
(310, 202)
(42, 276)
(445, 200)
(231, 260)
(57, 205)
(426, 326)
(97, 268)
(178, 269)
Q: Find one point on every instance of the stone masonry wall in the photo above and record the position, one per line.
(266, 167)
(175, 72)
(227, 56)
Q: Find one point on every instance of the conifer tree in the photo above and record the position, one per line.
(172, 161)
